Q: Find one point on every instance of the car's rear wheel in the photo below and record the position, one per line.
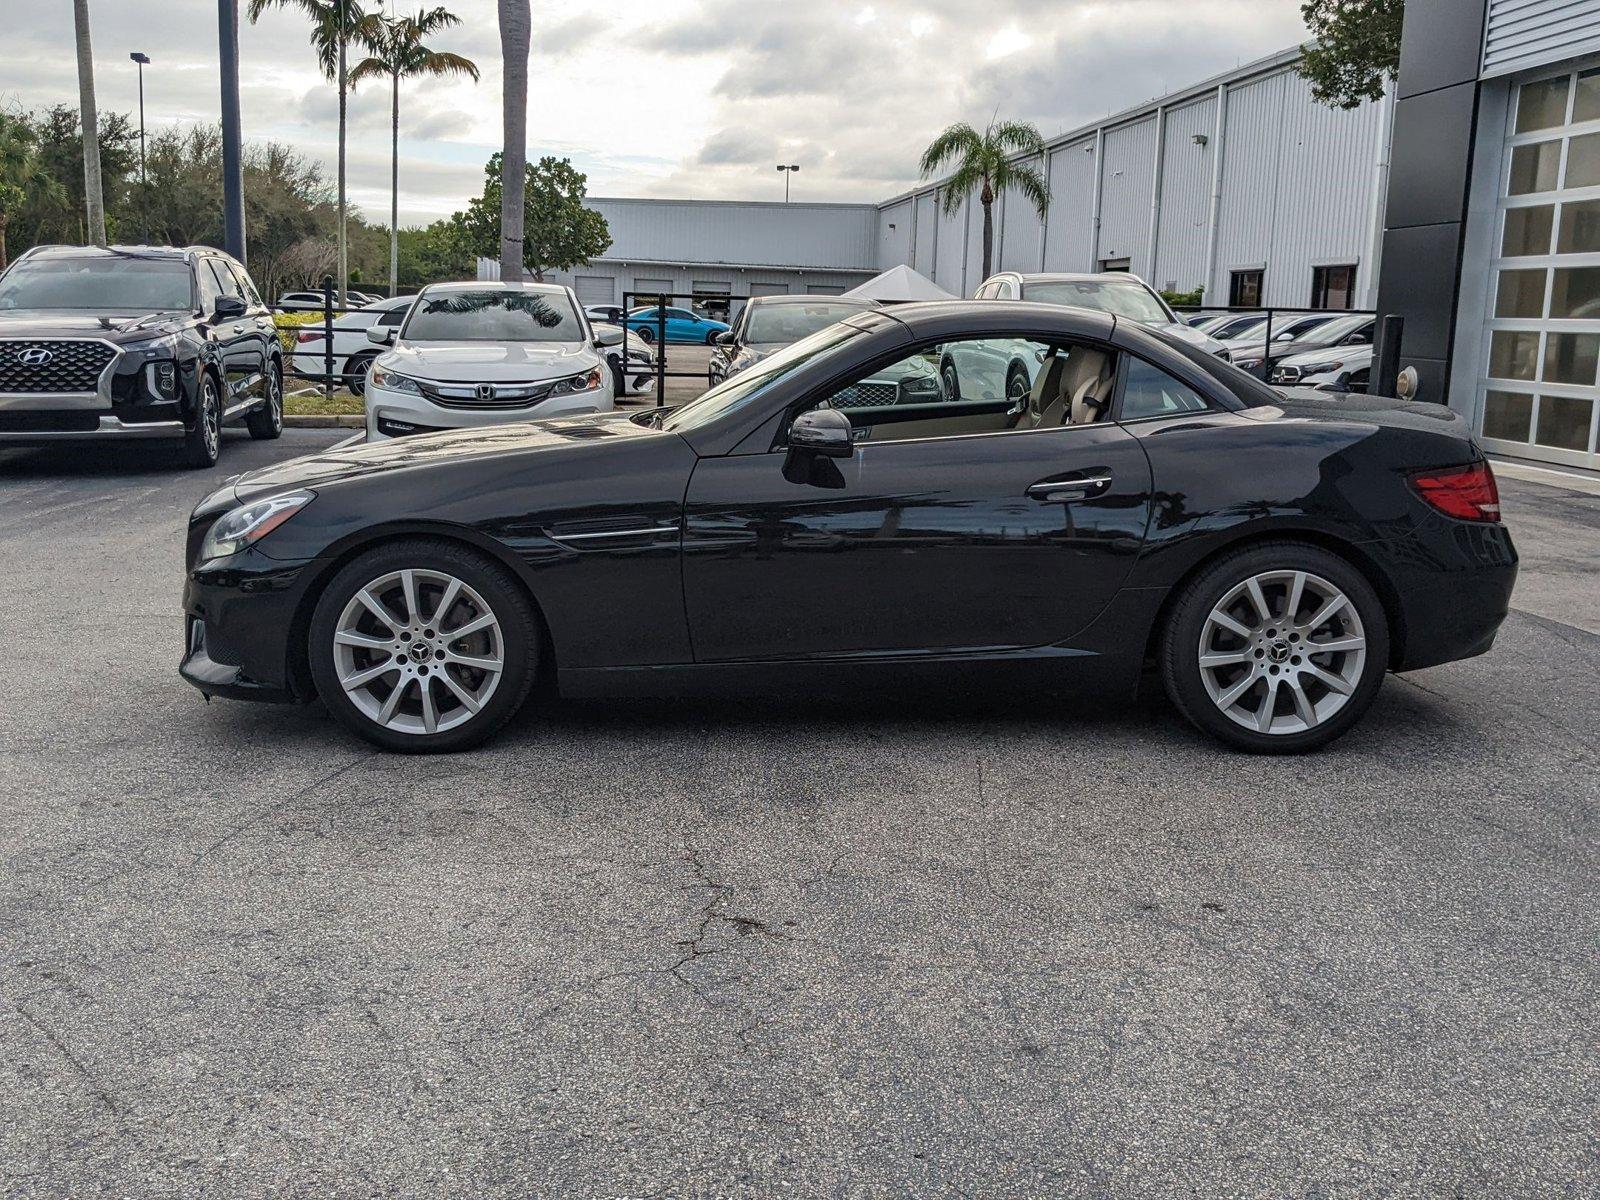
(266, 422)
(202, 444)
(1278, 648)
(424, 646)
(645, 334)
(1018, 385)
(711, 338)
(951, 379)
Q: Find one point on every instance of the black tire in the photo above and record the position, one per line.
(711, 338)
(202, 444)
(266, 422)
(1186, 624)
(644, 335)
(355, 373)
(951, 378)
(519, 636)
(1018, 374)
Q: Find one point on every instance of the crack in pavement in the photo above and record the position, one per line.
(96, 1088)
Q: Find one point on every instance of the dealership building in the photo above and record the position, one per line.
(1467, 201)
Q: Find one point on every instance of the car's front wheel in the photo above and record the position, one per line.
(424, 646)
(1278, 648)
(202, 444)
(355, 373)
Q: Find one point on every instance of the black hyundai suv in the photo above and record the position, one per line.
(135, 342)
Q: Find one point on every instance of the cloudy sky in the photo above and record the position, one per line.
(668, 97)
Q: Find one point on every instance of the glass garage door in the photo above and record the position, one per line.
(1539, 392)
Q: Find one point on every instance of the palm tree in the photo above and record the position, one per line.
(92, 194)
(398, 53)
(333, 23)
(516, 32)
(22, 175)
(989, 162)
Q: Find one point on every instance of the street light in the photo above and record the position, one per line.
(787, 171)
(143, 60)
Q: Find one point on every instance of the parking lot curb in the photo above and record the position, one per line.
(328, 421)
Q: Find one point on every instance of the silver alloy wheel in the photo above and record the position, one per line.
(418, 651)
(1282, 652)
(211, 418)
(275, 396)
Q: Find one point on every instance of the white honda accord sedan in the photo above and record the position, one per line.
(472, 354)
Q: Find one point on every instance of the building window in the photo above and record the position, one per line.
(1244, 289)
(1116, 264)
(1333, 287)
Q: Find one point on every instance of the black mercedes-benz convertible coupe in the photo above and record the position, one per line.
(850, 510)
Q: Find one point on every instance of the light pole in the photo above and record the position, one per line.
(144, 217)
(787, 169)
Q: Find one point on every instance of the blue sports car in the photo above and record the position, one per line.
(682, 325)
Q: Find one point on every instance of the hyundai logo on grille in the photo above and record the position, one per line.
(37, 357)
(485, 392)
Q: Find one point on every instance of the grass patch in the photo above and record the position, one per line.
(315, 404)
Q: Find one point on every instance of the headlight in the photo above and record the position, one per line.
(921, 384)
(165, 346)
(586, 382)
(1321, 368)
(248, 524)
(393, 381)
(1248, 364)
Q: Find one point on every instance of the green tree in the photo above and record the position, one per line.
(434, 253)
(988, 162)
(333, 24)
(59, 214)
(559, 232)
(398, 53)
(1354, 51)
(22, 173)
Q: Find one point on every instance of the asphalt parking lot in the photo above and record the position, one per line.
(964, 945)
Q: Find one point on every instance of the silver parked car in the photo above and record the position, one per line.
(1117, 292)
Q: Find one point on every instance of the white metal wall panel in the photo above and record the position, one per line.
(951, 249)
(1126, 178)
(927, 231)
(1326, 173)
(1186, 169)
(838, 236)
(1070, 231)
(595, 289)
(1520, 34)
(1021, 231)
(894, 234)
(1247, 218)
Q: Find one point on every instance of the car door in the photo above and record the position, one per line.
(684, 326)
(955, 525)
(238, 347)
(258, 317)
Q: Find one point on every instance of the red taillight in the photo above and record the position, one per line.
(1466, 493)
(306, 336)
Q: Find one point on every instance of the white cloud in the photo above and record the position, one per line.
(669, 97)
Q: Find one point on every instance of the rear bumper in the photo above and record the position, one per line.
(1452, 583)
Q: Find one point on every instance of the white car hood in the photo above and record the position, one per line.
(1347, 357)
(490, 362)
(1189, 334)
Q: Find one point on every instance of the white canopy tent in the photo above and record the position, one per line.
(899, 285)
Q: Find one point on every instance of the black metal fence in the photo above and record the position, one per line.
(294, 333)
(644, 315)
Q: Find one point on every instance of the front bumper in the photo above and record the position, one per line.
(396, 414)
(72, 426)
(239, 617)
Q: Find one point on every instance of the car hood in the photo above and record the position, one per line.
(1187, 333)
(114, 326)
(489, 362)
(1355, 356)
(420, 451)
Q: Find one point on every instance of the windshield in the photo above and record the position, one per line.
(1334, 330)
(1124, 298)
(784, 323)
(746, 385)
(493, 315)
(97, 283)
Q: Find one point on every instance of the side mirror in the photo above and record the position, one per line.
(608, 335)
(822, 431)
(725, 338)
(228, 308)
(381, 335)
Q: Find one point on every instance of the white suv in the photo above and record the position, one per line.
(473, 354)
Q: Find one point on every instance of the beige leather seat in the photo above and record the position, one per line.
(1075, 394)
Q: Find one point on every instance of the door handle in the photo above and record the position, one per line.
(1055, 491)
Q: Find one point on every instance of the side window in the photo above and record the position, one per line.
(978, 385)
(246, 288)
(227, 285)
(395, 316)
(1361, 337)
(1002, 291)
(986, 292)
(209, 290)
(1149, 391)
